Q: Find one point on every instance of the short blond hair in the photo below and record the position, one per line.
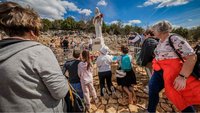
(16, 20)
(162, 26)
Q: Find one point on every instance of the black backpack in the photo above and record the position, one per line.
(196, 70)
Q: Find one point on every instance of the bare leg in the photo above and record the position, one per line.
(130, 98)
(133, 92)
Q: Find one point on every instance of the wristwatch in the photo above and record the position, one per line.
(182, 76)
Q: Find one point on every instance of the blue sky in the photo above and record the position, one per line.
(141, 12)
(185, 13)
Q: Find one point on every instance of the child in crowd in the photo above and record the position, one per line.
(86, 77)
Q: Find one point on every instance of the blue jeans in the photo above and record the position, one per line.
(78, 88)
(156, 84)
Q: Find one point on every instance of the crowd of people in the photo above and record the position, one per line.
(32, 80)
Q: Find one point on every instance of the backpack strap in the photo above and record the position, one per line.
(175, 50)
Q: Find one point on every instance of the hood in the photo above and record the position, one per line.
(9, 47)
(83, 65)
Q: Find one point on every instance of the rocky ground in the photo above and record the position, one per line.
(120, 104)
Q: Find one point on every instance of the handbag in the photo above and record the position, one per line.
(196, 70)
(74, 102)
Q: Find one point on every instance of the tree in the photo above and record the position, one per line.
(56, 24)
(46, 24)
(194, 33)
(182, 31)
(68, 24)
(138, 29)
(127, 29)
(81, 25)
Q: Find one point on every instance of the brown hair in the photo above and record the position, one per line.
(124, 49)
(16, 20)
(149, 31)
(76, 53)
(86, 58)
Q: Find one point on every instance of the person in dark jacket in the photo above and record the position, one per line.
(70, 69)
(147, 51)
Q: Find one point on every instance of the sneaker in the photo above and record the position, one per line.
(105, 94)
(113, 92)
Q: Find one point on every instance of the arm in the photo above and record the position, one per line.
(98, 62)
(188, 65)
(46, 65)
(79, 70)
(190, 59)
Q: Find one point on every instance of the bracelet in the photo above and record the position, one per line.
(182, 76)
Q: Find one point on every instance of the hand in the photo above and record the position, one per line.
(179, 83)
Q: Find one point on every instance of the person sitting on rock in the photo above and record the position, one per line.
(104, 71)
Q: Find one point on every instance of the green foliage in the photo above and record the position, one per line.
(56, 24)
(68, 24)
(181, 31)
(46, 24)
(128, 29)
(195, 33)
(118, 29)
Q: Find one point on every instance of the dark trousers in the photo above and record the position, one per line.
(156, 84)
(105, 76)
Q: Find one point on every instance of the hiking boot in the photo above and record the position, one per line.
(105, 94)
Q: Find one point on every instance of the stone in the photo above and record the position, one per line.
(174, 108)
(112, 101)
(123, 109)
(132, 108)
(166, 107)
(96, 44)
(100, 109)
(93, 108)
(123, 101)
(111, 108)
(162, 100)
(103, 100)
(159, 109)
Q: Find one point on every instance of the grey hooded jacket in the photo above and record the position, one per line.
(30, 79)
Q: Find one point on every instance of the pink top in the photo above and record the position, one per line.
(84, 74)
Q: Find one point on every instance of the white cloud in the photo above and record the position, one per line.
(52, 9)
(72, 17)
(102, 3)
(164, 3)
(114, 22)
(87, 12)
(130, 22)
(175, 26)
(189, 20)
(135, 21)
